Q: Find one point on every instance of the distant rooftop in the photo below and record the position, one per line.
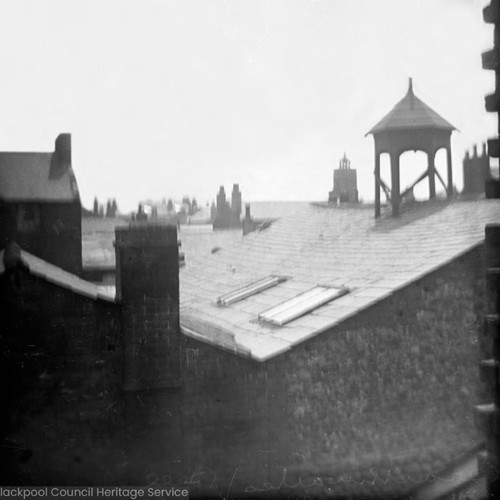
(39, 176)
(411, 113)
(318, 247)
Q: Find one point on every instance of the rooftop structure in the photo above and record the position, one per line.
(40, 204)
(39, 176)
(345, 188)
(411, 125)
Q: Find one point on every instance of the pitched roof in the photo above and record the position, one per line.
(321, 246)
(58, 276)
(29, 177)
(411, 113)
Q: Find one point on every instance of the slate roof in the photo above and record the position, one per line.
(58, 276)
(28, 177)
(321, 246)
(411, 113)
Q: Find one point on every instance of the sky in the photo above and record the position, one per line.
(166, 98)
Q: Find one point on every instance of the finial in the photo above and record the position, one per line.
(410, 85)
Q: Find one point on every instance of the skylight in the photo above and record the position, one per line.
(250, 289)
(301, 304)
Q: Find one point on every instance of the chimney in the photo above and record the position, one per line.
(61, 159)
(221, 201)
(476, 171)
(236, 201)
(248, 223)
(63, 149)
(147, 287)
(213, 212)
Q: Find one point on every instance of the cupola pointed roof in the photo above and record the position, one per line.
(411, 113)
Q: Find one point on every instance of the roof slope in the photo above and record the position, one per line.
(28, 177)
(411, 113)
(319, 246)
(56, 275)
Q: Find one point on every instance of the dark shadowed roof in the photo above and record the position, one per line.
(327, 247)
(411, 113)
(29, 177)
(57, 276)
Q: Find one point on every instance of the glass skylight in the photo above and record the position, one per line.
(301, 304)
(250, 289)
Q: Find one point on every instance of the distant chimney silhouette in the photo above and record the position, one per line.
(228, 216)
(236, 200)
(476, 170)
(248, 223)
(61, 159)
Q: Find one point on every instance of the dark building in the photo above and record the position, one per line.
(476, 170)
(227, 216)
(88, 364)
(40, 205)
(345, 184)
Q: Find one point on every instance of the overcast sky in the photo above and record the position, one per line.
(172, 97)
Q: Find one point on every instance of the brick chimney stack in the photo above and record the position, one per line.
(61, 159)
(147, 286)
(236, 200)
(476, 171)
(221, 202)
(63, 149)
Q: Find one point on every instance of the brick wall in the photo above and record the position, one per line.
(226, 411)
(392, 386)
(396, 380)
(91, 388)
(148, 289)
(61, 379)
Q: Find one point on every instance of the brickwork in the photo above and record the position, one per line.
(231, 416)
(397, 379)
(148, 289)
(61, 380)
